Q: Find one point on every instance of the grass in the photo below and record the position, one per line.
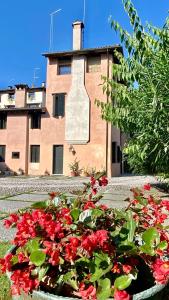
(4, 282)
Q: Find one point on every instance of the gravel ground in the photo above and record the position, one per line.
(14, 185)
(117, 190)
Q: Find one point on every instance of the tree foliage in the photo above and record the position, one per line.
(139, 93)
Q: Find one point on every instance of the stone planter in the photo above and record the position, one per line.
(153, 293)
(147, 294)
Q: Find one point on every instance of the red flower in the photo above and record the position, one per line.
(94, 191)
(127, 269)
(7, 223)
(103, 181)
(5, 263)
(161, 271)
(103, 207)
(71, 249)
(121, 295)
(22, 281)
(54, 259)
(53, 195)
(116, 268)
(165, 203)
(93, 181)
(88, 205)
(87, 294)
(147, 187)
(95, 240)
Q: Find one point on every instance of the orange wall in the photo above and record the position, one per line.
(15, 139)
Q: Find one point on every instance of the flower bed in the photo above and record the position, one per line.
(74, 247)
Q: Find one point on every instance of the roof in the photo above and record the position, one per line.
(103, 49)
(29, 89)
(23, 109)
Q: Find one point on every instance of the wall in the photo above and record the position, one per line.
(52, 130)
(15, 139)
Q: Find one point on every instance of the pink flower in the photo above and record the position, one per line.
(121, 295)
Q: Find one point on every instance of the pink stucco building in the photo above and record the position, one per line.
(43, 130)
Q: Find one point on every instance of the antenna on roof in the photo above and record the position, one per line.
(84, 17)
(35, 76)
(84, 11)
(51, 28)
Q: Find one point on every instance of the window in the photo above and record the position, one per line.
(64, 69)
(58, 105)
(15, 155)
(11, 96)
(3, 121)
(35, 154)
(2, 153)
(36, 121)
(119, 154)
(94, 64)
(64, 66)
(114, 152)
(31, 96)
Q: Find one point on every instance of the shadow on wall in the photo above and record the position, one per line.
(6, 171)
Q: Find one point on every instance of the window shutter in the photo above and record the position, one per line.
(59, 105)
(114, 152)
(35, 154)
(2, 153)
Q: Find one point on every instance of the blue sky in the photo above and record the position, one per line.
(24, 31)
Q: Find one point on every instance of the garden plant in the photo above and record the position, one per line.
(138, 93)
(75, 247)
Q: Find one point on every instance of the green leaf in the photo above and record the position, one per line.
(148, 250)
(97, 213)
(38, 258)
(131, 226)
(14, 260)
(75, 214)
(69, 278)
(151, 236)
(104, 289)
(122, 282)
(32, 245)
(42, 272)
(163, 245)
(41, 204)
(143, 201)
(97, 275)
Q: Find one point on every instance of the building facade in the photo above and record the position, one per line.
(43, 130)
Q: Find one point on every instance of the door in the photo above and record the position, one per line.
(58, 159)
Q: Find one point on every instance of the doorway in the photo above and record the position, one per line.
(58, 159)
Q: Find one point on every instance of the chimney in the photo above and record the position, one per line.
(77, 35)
(20, 95)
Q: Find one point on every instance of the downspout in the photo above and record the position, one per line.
(107, 99)
(27, 146)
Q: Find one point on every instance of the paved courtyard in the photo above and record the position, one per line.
(17, 193)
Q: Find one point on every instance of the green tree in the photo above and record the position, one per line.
(139, 93)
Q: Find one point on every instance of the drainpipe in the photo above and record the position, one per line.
(107, 99)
